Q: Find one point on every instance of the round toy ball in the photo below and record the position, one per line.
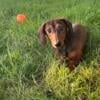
(21, 18)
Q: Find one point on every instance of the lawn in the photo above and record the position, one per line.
(29, 71)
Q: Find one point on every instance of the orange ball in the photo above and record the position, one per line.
(21, 18)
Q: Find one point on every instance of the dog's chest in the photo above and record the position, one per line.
(62, 53)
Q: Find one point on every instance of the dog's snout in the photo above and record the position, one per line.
(58, 44)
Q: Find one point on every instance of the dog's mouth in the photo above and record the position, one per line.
(57, 45)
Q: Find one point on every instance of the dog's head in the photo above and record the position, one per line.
(58, 31)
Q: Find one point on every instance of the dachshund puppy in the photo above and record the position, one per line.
(67, 40)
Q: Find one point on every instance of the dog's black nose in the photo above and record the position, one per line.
(58, 44)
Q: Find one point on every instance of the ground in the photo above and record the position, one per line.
(29, 71)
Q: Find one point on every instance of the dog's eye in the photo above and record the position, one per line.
(49, 30)
(60, 30)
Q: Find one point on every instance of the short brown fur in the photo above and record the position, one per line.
(67, 40)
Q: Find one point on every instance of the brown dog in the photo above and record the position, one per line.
(68, 40)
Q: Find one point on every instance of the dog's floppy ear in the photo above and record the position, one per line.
(69, 26)
(42, 34)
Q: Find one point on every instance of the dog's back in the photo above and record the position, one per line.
(79, 36)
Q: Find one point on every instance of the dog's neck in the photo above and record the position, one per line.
(62, 52)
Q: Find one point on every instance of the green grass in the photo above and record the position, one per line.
(30, 72)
